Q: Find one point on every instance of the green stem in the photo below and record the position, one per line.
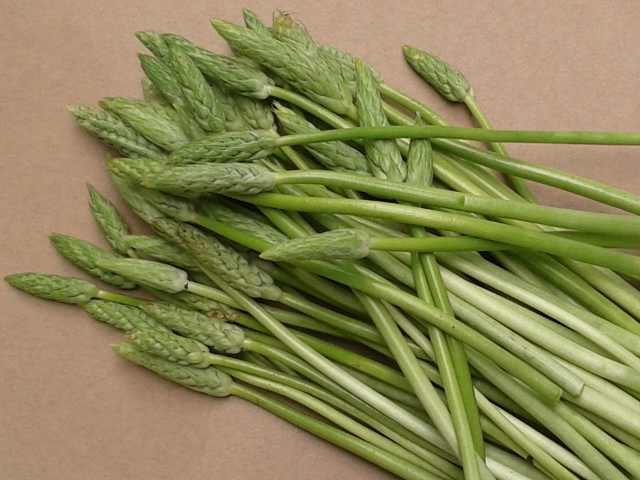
(308, 106)
(579, 289)
(581, 447)
(366, 393)
(462, 133)
(556, 468)
(448, 324)
(534, 240)
(623, 225)
(458, 358)
(477, 113)
(390, 462)
(333, 415)
(121, 298)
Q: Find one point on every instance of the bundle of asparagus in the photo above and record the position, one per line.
(514, 332)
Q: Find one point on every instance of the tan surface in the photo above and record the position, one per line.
(70, 409)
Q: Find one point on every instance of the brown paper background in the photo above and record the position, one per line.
(69, 408)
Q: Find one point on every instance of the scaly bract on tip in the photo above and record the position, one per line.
(122, 317)
(86, 255)
(446, 80)
(114, 132)
(221, 336)
(160, 125)
(54, 287)
(239, 178)
(167, 83)
(148, 273)
(160, 250)
(334, 244)
(304, 73)
(226, 147)
(111, 223)
(205, 380)
(172, 347)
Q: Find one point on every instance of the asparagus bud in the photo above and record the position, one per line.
(420, 161)
(54, 287)
(109, 220)
(384, 155)
(86, 255)
(122, 317)
(133, 169)
(333, 155)
(160, 125)
(221, 336)
(209, 380)
(160, 250)
(147, 273)
(212, 178)
(222, 260)
(113, 131)
(447, 81)
(323, 246)
(227, 147)
(209, 307)
(172, 347)
(178, 208)
(302, 71)
(233, 74)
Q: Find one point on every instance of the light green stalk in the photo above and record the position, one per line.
(384, 156)
(167, 83)
(160, 125)
(301, 71)
(54, 287)
(226, 147)
(86, 256)
(109, 221)
(113, 131)
(332, 155)
(160, 250)
(122, 317)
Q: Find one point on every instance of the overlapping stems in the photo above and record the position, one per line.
(574, 377)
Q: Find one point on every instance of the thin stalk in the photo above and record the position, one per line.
(624, 456)
(571, 219)
(419, 382)
(372, 397)
(466, 433)
(390, 462)
(518, 184)
(522, 440)
(618, 342)
(587, 452)
(616, 432)
(333, 415)
(120, 298)
(462, 133)
(579, 289)
(620, 262)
